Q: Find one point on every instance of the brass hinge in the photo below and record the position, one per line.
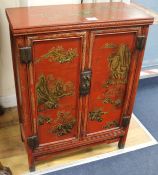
(125, 121)
(25, 55)
(140, 42)
(33, 142)
(85, 82)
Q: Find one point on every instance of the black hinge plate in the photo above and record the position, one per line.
(140, 43)
(33, 142)
(25, 55)
(125, 121)
(85, 82)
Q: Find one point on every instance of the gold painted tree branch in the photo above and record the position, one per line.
(59, 54)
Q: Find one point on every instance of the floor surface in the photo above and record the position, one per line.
(12, 152)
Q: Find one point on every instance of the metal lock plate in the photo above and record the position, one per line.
(85, 82)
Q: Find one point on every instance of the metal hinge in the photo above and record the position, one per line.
(85, 82)
(125, 121)
(140, 42)
(33, 142)
(25, 55)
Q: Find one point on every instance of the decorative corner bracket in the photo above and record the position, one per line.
(25, 55)
(140, 43)
(33, 142)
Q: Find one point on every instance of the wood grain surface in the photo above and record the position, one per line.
(35, 18)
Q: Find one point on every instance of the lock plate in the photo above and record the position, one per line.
(85, 82)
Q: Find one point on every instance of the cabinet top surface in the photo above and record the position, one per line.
(63, 15)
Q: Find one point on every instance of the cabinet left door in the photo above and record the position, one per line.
(54, 76)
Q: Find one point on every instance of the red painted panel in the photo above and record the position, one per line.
(54, 72)
(107, 49)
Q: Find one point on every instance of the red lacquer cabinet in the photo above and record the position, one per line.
(76, 73)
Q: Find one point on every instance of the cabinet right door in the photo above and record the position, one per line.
(112, 59)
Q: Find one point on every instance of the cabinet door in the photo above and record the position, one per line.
(112, 61)
(54, 85)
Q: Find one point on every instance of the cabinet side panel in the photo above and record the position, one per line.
(21, 83)
(16, 76)
(134, 85)
(21, 80)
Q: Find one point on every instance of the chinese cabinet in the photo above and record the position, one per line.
(76, 71)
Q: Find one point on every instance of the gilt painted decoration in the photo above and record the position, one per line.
(61, 125)
(118, 62)
(59, 54)
(44, 119)
(50, 90)
(64, 123)
(97, 115)
(111, 124)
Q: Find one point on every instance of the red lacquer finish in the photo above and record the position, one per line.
(66, 72)
(101, 72)
(64, 41)
(35, 18)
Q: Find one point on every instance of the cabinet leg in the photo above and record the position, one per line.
(32, 168)
(121, 143)
(31, 162)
